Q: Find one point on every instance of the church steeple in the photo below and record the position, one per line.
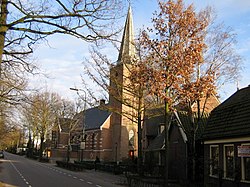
(120, 99)
(127, 49)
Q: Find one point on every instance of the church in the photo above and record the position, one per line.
(103, 131)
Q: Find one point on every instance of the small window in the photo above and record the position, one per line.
(214, 160)
(229, 161)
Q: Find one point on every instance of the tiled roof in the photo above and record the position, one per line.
(231, 118)
(95, 117)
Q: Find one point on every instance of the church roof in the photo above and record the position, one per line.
(231, 118)
(95, 117)
(127, 49)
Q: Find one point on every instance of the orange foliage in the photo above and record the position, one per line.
(176, 53)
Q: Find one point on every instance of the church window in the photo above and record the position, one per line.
(93, 141)
(96, 135)
(131, 137)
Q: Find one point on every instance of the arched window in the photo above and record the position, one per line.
(131, 137)
(93, 140)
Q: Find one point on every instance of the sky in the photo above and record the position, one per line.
(61, 60)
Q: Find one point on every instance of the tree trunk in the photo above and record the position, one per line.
(139, 163)
(3, 30)
(30, 147)
(41, 147)
(195, 125)
(193, 159)
(166, 116)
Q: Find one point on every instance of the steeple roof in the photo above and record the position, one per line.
(127, 49)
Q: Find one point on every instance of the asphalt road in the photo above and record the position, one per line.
(22, 172)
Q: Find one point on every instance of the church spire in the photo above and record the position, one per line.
(127, 49)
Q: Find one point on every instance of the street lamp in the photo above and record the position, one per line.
(82, 145)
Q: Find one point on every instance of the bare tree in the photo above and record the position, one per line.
(40, 116)
(24, 24)
(29, 121)
(41, 113)
(10, 138)
(65, 109)
(9, 128)
(221, 56)
(11, 88)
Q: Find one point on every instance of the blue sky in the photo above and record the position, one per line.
(62, 60)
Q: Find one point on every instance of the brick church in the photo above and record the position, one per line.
(103, 131)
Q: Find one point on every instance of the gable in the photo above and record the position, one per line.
(209, 104)
(177, 124)
(106, 124)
